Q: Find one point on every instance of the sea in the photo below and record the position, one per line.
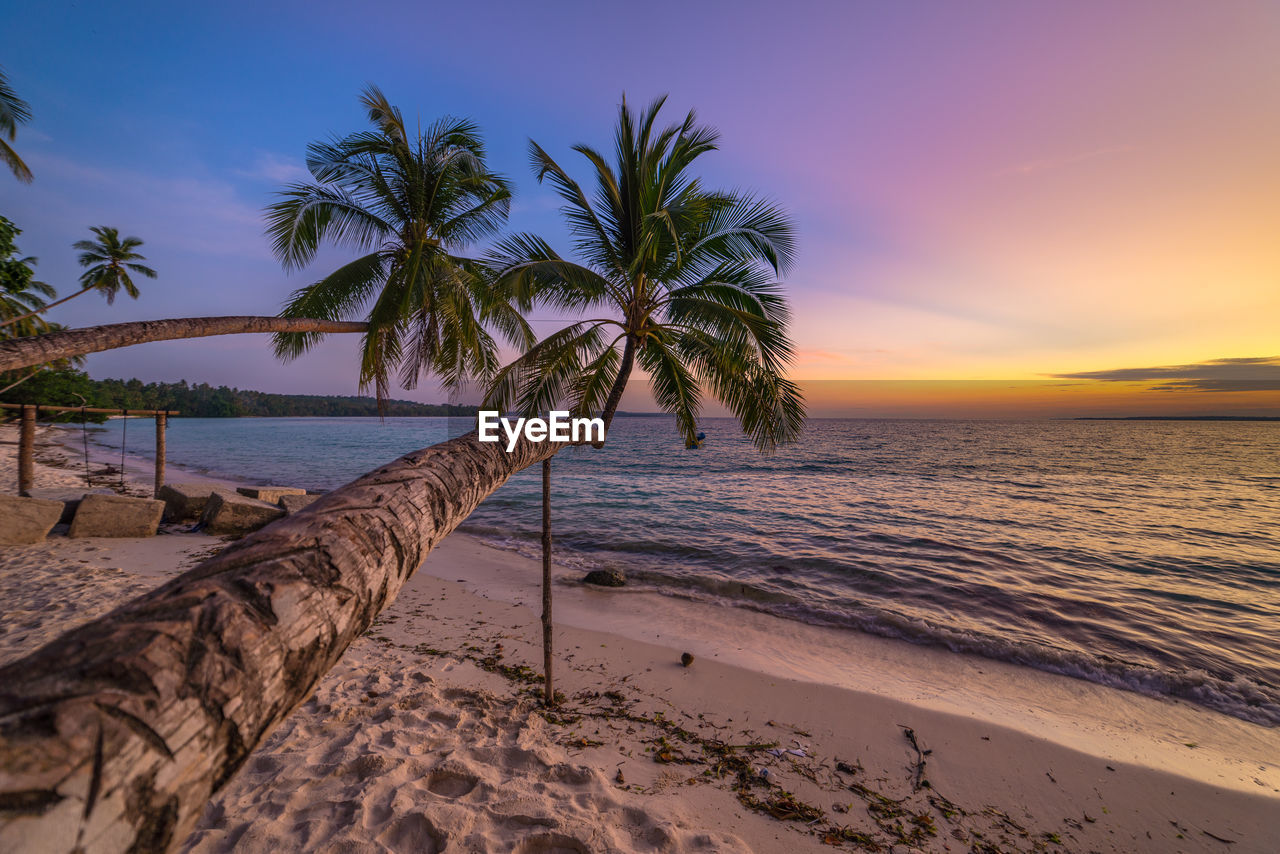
(1140, 555)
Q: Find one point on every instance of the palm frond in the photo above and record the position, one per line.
(338, 296)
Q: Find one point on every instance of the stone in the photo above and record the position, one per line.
(230, 513)
(69, 496)
(686, 658)
(116, 516)
(293, 503)
(185, 502)
(27, 520)
(269, 494)
(605, 578)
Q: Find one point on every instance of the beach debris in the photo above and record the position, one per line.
(605, 578)
(27, 520)
(792, 727)
(116, 516)
(185, 502)
(686, 658)
(269, 494)
(229, 513)
(783, 806)
(919, 782)
(753, 772)
(291, 504)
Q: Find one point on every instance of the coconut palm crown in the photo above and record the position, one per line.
(22, 297)
(411, 202)
(675, 277)
(108, 260)
(13, 112)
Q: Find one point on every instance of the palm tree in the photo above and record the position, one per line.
(411, 203)
(681, 279)
(13, 112)
(22, 298)
(108, 261)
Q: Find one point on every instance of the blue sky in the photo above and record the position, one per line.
(991, 191)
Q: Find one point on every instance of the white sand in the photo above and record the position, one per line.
(409, 745)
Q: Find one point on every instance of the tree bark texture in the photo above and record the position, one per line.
(26, 450)
(114, 736)
(162, 419)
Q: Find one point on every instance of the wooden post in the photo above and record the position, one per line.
(161, 419)
(549, 693)
(27, 450)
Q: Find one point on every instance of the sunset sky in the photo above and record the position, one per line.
(1082, 195)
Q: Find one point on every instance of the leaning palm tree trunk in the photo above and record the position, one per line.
(36, 350)
(114, 736)
(17, 383)
(42, 309)
(549, 694)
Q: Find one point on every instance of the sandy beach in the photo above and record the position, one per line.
(779, 737)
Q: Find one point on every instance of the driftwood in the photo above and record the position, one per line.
(37, 350)
(114, 736)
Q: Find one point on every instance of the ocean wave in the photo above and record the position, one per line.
(1256, 702)
(1240, 697)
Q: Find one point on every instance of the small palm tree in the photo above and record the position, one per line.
(22, 298)
(677, 278)
(412, 203)
(13, 112)
(108, 261)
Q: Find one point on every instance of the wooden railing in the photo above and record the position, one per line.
(27, 437)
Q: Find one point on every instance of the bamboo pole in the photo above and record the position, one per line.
(161, 422)
(88, 409)
(549, 694)
(27, 450)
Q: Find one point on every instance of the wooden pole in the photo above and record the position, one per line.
(27, 450)
(549, 694)
(161, 419)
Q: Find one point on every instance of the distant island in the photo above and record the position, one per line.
(1180, 418)
(201, 400)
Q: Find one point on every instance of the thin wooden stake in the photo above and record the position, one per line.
(161, 419)
(549, 691)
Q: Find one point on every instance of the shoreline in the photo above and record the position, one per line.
(1028, 757)
(1126, 724)
(1073, 713)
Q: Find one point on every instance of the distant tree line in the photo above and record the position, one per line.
(201, 400)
